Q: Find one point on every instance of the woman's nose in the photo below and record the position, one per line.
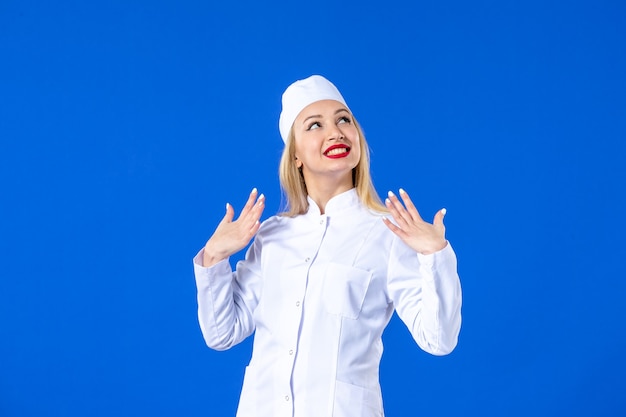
(336, 133)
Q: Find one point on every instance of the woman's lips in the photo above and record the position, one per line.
(337, 151)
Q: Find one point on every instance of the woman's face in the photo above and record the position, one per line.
(326, 142)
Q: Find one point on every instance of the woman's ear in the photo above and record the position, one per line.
(298, 162)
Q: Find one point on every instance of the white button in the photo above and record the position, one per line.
(291, 351)
(322, 221)
(286, 397)
(297, 303)
(307, 259)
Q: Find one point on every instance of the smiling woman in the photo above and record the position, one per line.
(321, 281)
(326, 150)
(306, 96)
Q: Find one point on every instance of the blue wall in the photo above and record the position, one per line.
(126, 126)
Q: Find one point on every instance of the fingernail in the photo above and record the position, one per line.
(227, 206)
(254, 190)
(261, 196)
(387, 201)
(391, 194)
(444, 211)
(402, 191)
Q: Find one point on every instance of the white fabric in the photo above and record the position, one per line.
(302, 93)
(319, 290)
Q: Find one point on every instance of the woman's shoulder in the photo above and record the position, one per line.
(274, 223)
(271, 222)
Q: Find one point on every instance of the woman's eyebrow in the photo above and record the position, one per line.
(313, 116)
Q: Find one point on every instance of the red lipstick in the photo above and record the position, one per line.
(344, 151)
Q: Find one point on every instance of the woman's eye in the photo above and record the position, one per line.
(344, 119)
(314, 125)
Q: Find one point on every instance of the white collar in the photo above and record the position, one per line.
(335, 205)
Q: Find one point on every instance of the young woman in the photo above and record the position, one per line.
(320, 282)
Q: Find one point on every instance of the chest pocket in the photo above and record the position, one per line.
(344, 290)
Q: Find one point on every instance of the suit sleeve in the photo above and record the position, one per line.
(227, 299)
(426, 292)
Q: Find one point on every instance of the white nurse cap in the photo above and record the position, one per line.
(302, 93)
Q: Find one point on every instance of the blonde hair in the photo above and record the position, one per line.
(294, 187)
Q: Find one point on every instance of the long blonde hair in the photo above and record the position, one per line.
(294, 187)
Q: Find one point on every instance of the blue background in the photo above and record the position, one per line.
(126, 126)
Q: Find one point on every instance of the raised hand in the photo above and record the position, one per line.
(232, 236)
(421, 236)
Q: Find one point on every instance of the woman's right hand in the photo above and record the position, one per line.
(232, 236)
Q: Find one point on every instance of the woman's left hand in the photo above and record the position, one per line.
(421, 236)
